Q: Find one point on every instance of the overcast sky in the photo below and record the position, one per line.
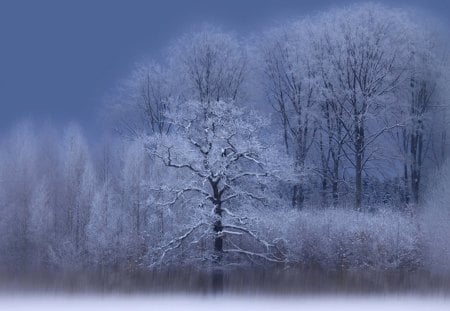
(59, 58)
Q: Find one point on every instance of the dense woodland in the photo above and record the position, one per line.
(320, 142)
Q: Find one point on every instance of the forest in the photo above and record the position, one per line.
(316, 144)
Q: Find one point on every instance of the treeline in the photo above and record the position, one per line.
(358, 95)
(65, 208)
(308, 145)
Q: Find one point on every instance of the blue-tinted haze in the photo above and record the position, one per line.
(59, 58)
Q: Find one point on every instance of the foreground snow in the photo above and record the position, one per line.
(200, 303)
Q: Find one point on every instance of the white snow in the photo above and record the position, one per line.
(222, 303)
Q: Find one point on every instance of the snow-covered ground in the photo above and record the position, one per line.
(199, 303)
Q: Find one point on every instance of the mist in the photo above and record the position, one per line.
(292, 156)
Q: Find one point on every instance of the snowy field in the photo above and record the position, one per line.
(200, 303)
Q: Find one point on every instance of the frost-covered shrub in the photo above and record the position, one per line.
(436, 222)
(346, 239)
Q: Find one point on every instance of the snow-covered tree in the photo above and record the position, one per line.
(141, 101)
(223, 181)
(74, 202)
(291, 86)
(20, 166)
(366, 56)
(208, 65)
(424, 100)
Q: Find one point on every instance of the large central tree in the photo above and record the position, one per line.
(220, 183)
(217, 168)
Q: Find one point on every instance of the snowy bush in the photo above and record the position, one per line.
(345, 239)
(436, 222)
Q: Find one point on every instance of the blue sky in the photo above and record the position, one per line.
(59, 58)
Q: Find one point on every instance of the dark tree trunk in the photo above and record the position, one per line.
(405, 184)
(324, 191)
(416, 165)
(335, 182)
(217, 273)
(335, 193)
(324, 173)
(298, 196)
(359, 155)
(217, 277)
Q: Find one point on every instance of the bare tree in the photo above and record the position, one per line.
(421, 101)
(139, 105)
(424, 79)
(208, 65)
(366, 56)
(224, 170)
(292, 90)
(214, 158)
